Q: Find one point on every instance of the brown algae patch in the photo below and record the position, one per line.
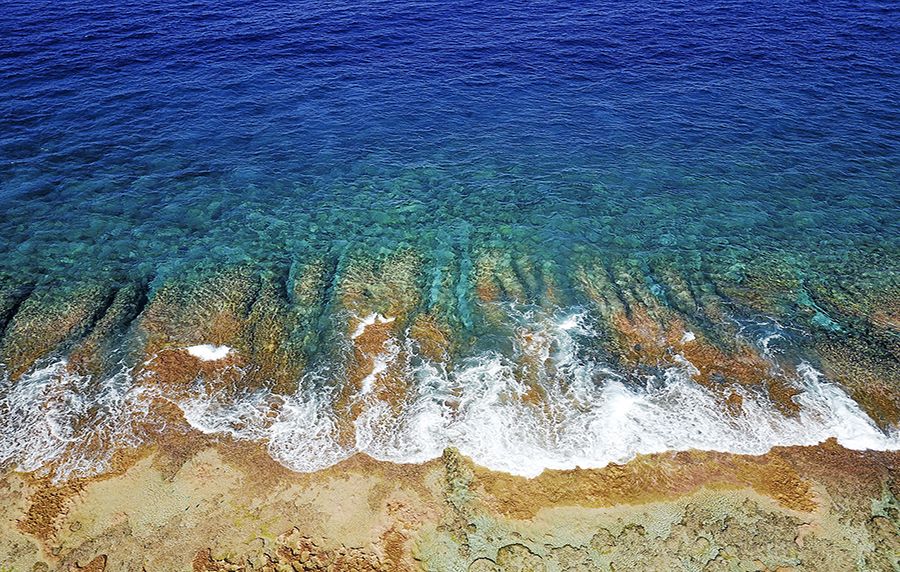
(432, 337)
(644, 333)
(378, 296)
(210, 308)
(872, 377)
(670, 341)
(175, 369)
(107, 334)
(377, 363)
(235, 307)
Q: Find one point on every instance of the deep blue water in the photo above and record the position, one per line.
(136, 136)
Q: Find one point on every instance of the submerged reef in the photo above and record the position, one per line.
(473, 409)
(523, 364)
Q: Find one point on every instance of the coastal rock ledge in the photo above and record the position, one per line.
(206, 505)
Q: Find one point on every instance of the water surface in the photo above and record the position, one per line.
(750, 150)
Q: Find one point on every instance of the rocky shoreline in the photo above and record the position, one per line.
(176, 493)
(202, 504)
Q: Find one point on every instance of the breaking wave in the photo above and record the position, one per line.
(580, 413)
(74, 423)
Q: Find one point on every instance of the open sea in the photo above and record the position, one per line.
(548, 234)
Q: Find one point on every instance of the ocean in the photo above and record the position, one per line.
(547, 234)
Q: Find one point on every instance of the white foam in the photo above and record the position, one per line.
(305, 436)
(588, 414)
(380, 364)
(419, 432)
(301, 429)
(592, 417)
(242, 416)
(54, 419)
(369, 320)
(209, 352)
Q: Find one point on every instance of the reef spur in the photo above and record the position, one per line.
(472, 409)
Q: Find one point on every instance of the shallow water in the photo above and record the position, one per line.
(748, 148)
(590, 416)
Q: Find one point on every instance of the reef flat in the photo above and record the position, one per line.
(219, 505)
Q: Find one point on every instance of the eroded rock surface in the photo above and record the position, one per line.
(228, 507)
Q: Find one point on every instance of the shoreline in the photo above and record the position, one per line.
(192, 395)
(205, 504)
(449, 287)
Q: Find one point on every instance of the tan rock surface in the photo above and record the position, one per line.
(227, 506)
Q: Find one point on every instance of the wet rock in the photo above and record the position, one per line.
(47, 319)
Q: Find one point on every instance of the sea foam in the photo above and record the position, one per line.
(209, 352)
(588, 415)
(55, 418)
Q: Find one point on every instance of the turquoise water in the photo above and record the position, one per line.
(751, 150)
